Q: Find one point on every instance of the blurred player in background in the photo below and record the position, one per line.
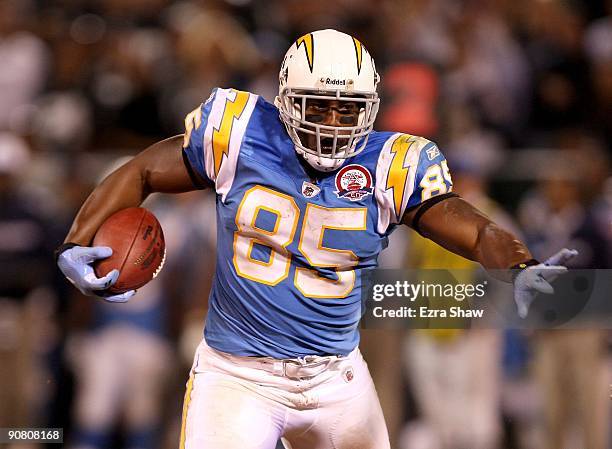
(24, 280)
(557, 211)
(122, 364)
(456, 373)
(307, 194)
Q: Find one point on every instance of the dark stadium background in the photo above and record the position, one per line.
(517, 93)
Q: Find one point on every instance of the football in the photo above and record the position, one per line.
(139, 250)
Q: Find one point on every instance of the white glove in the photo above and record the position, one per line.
(537, 278)
(75, 263)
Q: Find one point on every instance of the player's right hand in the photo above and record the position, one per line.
(75, 263)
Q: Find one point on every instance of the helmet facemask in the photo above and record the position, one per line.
(333, 144)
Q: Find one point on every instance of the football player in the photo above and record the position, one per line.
(307, 195)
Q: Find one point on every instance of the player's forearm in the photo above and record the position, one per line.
(123, 188)
(462, 229)
(497, 250)
(159, 168)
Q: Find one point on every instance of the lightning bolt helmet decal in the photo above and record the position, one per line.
(307, 41)
(358, 53)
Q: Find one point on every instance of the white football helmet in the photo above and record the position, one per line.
(328, 65)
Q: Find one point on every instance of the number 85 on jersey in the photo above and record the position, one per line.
(316, 220)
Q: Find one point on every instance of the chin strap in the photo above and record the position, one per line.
(312, 161)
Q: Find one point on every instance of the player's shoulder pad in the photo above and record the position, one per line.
(214, 132)
(410, 169)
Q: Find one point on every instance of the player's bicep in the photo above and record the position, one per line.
(451, 222)
(163, 168)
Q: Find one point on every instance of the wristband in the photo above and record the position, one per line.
(516, 269)
(63, 247)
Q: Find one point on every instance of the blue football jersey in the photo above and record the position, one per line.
(292, 250)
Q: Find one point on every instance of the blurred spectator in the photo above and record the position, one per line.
(472, 148)
(213, 50)
(598, 47)
(602, 217)
(425, 28)
(573, 379)
(128, 81)
(570, 366)
(554, 215)
(122, 367)
(24, 65)
(489, 71)
(560, 70)
(25, 274)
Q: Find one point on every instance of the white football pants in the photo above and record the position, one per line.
(232, 404)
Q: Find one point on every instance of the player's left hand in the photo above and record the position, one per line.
(537, 278)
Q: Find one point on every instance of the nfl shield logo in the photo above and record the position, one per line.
(432, 153)
(348, 374)
(310, 190)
